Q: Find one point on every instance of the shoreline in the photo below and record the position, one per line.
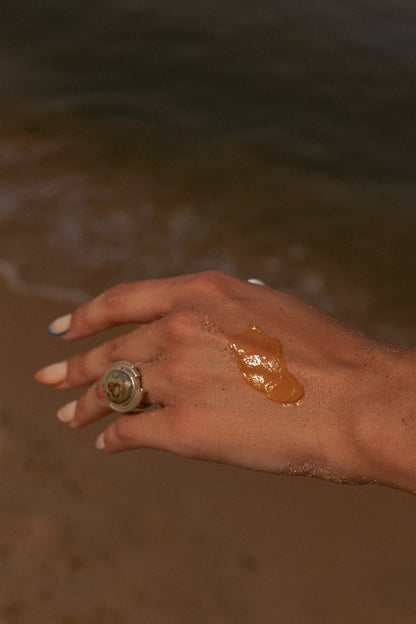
(148, 537)
(13, 282)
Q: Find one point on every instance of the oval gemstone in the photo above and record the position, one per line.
(118, 386)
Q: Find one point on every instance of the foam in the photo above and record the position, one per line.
(11, 276)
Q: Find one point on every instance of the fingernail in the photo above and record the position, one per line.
(100, 443)
(67, 412)
(53, 374)
(60, 326)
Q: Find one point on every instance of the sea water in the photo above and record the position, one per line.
(274, 140)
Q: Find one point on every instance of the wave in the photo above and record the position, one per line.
(10, 274)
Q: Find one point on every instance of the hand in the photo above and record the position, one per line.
(182, 349)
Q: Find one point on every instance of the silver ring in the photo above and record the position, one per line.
(122, 386)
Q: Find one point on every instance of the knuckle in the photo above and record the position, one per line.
(77, 368)
(113, 349)
(181, 325)
(107, 304)
(120, 434)
(113, 299)
(208, 283)
(81, 317)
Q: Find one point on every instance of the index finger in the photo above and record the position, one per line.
(139, 302)
(135, 302)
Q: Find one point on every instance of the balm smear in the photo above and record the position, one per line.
(263, 366)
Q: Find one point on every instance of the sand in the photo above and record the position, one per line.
(146, 537)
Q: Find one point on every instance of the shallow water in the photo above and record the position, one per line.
(273, 140)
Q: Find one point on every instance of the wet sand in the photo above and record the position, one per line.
(147, 537)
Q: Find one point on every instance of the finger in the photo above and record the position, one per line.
(143, 302)
(93, 404)
(152, 429)
(84, 368)
(136, 302)
(136, 346)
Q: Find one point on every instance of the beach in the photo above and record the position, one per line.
(148, 537)
(142, 140)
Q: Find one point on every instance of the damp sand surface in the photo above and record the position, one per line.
(128, 152)
(147, 537)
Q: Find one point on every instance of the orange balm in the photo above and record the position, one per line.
(263, 366)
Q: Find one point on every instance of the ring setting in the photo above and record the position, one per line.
(122, 387)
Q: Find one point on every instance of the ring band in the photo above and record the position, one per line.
(122, 386)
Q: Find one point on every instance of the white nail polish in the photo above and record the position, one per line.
(53, 374)
(100, 443)
(67, 412)
(60, 326)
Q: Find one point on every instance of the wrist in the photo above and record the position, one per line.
(384, 428)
